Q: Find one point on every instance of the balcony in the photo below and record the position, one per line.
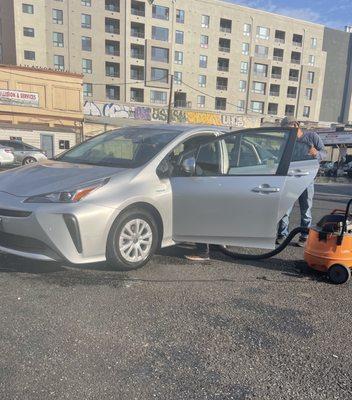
(293, 78)
(224, 49)
(279, 40)
(138, 8)
(112, 5)
(112, 26)
(223, 68)
(298, 44)
(275, 94)
(278, 58)
(225, 25)
(295, 61)
(276, 76)
(221, 87)
(291, 95)
(137, 33)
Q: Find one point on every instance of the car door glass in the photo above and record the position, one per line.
(301, 151)
(208, 161)
(254, 153)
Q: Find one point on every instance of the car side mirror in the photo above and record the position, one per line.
(189, 166)
(163, 170)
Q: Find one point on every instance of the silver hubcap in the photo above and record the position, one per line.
(29, 161)
(136, 240)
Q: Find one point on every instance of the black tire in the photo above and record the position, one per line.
(29, 160)
(339, 274)
(113, 253)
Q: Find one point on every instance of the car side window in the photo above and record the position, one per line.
(208, 161)
(255, 153)
(17, 146)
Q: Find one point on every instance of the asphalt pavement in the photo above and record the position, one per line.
(177, 330)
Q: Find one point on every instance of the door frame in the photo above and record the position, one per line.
(52, 140)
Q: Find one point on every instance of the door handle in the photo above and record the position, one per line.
(298, 173)
(266, 189)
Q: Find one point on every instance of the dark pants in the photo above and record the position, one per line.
(202, 249)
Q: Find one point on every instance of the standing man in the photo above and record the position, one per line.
(316, 150)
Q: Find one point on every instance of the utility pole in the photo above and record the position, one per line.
(170, 99)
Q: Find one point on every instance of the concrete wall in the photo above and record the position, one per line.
(336, 95)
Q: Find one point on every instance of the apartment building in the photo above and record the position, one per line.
(222, 57)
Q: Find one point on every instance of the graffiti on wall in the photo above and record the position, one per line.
(160, 114)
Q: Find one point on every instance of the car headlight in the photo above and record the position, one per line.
(68, 196)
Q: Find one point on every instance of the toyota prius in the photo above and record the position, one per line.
(122, 195)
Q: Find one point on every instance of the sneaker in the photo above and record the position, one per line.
(301, 241)
(280, 240)
(198, 257)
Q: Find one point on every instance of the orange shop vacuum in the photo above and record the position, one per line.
(328, 248)
(329, 245)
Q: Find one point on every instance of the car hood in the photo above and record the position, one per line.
(51, 176)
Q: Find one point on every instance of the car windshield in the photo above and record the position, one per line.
(124, 148)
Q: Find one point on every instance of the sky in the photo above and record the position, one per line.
(332, 13)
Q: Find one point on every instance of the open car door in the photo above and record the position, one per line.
(242, 184)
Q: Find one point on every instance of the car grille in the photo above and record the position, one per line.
(14, 213)
(27, 245)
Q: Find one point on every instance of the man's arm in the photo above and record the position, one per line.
(319, 145)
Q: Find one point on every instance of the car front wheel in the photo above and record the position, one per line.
(133, 239)
(29, 160)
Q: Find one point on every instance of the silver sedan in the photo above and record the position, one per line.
(122, 195)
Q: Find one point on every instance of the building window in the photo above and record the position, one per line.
(289, 110)
(314, 43)
(161, 12)
(311, 60)
(203, 61)
(280, 36)
(178, 57)
(278, 54)
(241, 105)
(201, 101)
(59, 62)
(220, 103)
(159, 33)
(306, 111)
(245, 49)
(86, 3)
(112, 25)
(137, 95)
(28, 8)
(177, 78)
(273, 108)
(292, 92)
(244, 67)
(261, 51)
(258, 87)
(29, 55)
(112, 92)
(179, 37)
(180, 16)
(276, 72)
(274, 90)
(112, 5)
(138, 8)
(295, 57)
(158, 97)
(137, 72)
(225, 25)
(112, 47)
(260, 69)
(263, 33)
(58, 17)
(86, 21)
(224, 45)
(242, 86)
(309, 94)
(138, 30)
(204, 41)
(293, 75)
(257, 106)
(205, 21)
(58, 39)
(310, 77)
(160, 54)
(202, 80)
(223, 64)
(112, 69)
(28, 32)
(247, 29)
(87, 66)
(160, 75)
(87, 89)
(137, 51)
(86, 43)
(221, 83)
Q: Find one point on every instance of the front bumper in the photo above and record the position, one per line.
(76, 233)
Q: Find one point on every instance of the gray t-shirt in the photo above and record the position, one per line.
(303, 145)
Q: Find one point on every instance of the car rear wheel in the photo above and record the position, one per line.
(29, 160)
(133, 239)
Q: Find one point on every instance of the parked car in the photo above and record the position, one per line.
(123, 194)
(24, 153)
(6, 156)
(348, 169)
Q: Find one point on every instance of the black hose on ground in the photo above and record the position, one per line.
(272, 253)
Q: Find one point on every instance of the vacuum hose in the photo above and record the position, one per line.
(272, 253)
